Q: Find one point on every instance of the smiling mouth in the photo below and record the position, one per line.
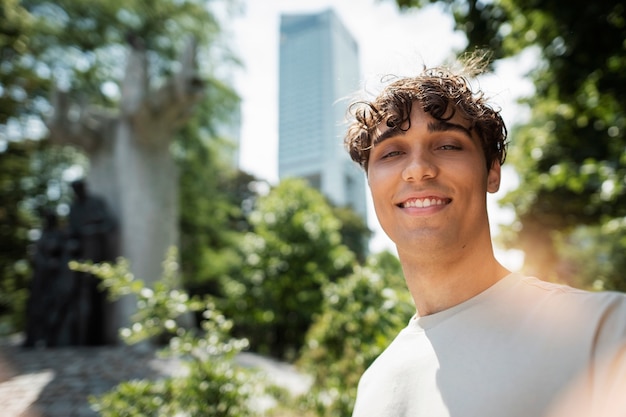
(424, 202)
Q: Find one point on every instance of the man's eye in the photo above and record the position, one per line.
(450, 148)
(391, 154)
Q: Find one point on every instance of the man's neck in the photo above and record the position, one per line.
(437, 284)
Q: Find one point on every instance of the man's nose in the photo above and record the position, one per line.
(419, 166)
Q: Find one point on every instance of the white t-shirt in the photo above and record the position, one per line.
(510, 351)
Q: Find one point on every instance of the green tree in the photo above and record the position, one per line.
(213, 214)
(294, 250)
(592, 257)
(30, 187)
(15, 224)
(354, 231)
(22, 83)
(571, 155)
(129, 145)
(93, 38)
(361, 314)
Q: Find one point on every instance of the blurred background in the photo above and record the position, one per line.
(195, 147)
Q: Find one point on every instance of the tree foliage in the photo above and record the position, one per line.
(354, 231)
(571, 155)
(360, 316)
(294, 250)
(594, 255)
(213, 194)
(214, 385)
(21, 81)
(31, 185)
(14, 227)
(93, 37)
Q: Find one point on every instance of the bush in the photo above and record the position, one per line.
(213, 384)
(294, 251)
(212, 388)
(361, 315)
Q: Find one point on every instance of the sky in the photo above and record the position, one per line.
(390, 42)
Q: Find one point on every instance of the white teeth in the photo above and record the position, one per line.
(423, 203)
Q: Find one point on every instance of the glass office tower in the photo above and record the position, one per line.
(319, 72)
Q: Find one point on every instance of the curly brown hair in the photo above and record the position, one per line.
(441, 92)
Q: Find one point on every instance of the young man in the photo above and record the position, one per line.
(485, 342)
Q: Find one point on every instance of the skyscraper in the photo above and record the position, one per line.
(319, 70)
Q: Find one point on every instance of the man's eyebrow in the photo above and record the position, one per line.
(391, 132)
(443, 126)
(434, 126)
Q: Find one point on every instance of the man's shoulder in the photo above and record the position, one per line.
(564, 302)
(605, 311)
(571, 293)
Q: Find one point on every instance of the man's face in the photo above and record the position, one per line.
(429, 184)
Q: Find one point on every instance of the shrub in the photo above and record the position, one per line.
(213, 384)
(294, 251)
(361, 315)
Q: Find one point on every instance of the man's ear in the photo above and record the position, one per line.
(493, 177)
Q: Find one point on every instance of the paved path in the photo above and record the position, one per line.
(58, 382)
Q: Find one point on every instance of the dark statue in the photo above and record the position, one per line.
(48, 266)
(66, 308)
